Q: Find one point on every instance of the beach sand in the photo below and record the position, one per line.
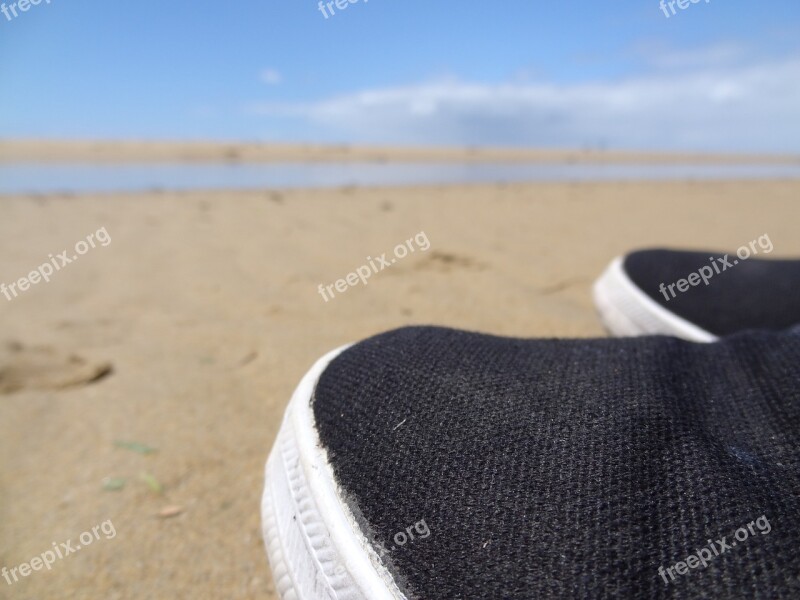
(189, 331)
(116, 151)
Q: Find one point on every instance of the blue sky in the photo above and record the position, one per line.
(718, 75)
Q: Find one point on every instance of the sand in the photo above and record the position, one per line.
(205, 306)
(115, 152)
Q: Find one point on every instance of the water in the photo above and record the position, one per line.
(76, 178)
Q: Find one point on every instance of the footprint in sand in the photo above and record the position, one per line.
(43, 368)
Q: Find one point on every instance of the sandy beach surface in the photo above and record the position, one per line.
(115, 152)
(189, 330)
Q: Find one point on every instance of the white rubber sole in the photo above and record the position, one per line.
(315, 547)
(627, 311)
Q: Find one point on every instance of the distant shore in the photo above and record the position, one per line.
(114, 152)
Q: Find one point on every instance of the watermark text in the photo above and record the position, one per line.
(374, 266)
(705, 555)
(55, 263)
(719, 264)
(47, 559)
(10, 10)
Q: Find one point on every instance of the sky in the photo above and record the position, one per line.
(714, 76)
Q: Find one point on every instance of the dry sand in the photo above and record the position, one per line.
(111, 151)
(206, 307)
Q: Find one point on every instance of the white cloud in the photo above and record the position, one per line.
(711, 107)
(271, 76)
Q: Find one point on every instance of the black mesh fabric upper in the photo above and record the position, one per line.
(570, 469)
(744, 294)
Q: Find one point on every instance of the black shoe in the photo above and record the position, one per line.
(698, 296)
(438, 464)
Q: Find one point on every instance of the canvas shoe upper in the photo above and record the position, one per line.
(442, 464)
(698, 296)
